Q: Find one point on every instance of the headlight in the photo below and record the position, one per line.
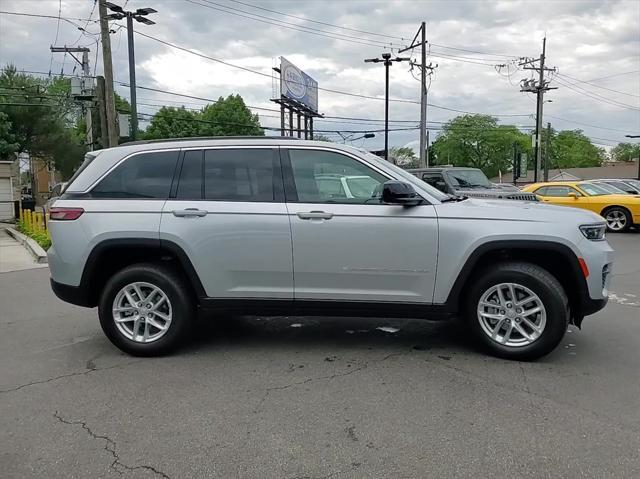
(593, 232)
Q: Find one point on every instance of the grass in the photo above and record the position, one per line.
(41, 237)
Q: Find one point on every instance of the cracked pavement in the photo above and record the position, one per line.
(333, 398)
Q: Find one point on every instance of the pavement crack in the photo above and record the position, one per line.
(110, 446)
(321, 378)
(69, 375)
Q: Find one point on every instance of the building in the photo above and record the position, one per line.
(45, 178)
(610, 170)
(9, 188)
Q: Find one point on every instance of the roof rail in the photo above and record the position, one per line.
(199, 138)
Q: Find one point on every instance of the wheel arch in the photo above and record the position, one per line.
(557, 258)
(111, 255)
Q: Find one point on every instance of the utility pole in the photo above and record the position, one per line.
(85, 92)
(388, 61)
(102, 111)
(110, 100)
(547, 151)
(424, 147)
(139, 16)
(539, 88)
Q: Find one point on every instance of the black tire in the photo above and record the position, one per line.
(619, 210)
(177, 289)
(540, 282)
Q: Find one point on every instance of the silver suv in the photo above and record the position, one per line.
(152, 232)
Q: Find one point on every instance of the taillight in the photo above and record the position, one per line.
(65, 214)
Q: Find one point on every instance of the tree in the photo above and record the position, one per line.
(230, 117)
(225, 117)
(478, 141)
(170, 122)
(404, 156)
(42, 117)
(626, 152)
(572, 149)
(8, 145)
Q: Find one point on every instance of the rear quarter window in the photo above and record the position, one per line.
(143, 175)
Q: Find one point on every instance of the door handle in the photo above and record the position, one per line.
(315, 215)
(189, 212)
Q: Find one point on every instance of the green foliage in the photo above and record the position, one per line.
(226, 117)
(626, 152)
(8, 144)
(404, 156)
(572, 149)
(320, 137)
(42, 119)
(41, 237)
(478, 141)
(171, 122)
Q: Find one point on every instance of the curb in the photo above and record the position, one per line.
(34, 248)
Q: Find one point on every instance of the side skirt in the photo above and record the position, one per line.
(279, 307)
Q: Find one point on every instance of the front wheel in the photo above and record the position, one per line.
(146, 309)
(517, 311)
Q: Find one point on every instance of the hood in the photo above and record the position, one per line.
(529, 211)
(498, 193)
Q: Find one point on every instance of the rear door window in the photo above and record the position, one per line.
(144, 175)
(250, 174)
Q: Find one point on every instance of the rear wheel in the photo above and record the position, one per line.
(618, 219)
(146, 309)
(517, 311)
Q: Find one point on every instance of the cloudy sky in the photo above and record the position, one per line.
(594, 45)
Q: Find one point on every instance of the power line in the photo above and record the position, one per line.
(614, 75)
(595, 96)
(317, 21)
(586, 124)
(473, 51)
(291, 26)
(66, 19)
(599, 86)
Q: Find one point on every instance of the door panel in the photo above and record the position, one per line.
(237, 249)
(354, 248)
(364, 252)
(230, 218)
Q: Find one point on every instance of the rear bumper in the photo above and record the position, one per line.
(70, 294)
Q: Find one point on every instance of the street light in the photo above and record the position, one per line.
(140, 16)
(388, 61)
(365, 136)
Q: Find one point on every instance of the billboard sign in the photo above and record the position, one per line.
(296, 85)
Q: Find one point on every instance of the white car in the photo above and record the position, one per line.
(151, 232)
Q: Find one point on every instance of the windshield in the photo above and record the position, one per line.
(405, 175)
(611, 189)
(468, 179)
(593, 190)
(361, 186)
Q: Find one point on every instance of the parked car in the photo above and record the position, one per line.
(56, 191)
(621, 211)
(151, 232)
(467, 182)
(628, 186)
(341, 186)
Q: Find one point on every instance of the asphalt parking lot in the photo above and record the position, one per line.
(316, 398)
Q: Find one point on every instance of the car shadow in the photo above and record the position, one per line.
(324, 333)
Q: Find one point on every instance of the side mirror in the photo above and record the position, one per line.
(573, 195)
(399, 193)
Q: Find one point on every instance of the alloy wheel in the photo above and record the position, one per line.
(511, 314)
(142, 312)
(616, 220)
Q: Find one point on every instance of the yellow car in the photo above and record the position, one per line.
(619, 211)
